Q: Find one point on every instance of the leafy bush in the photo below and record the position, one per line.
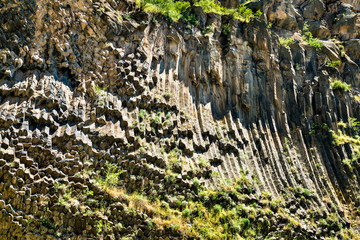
(317, 127)
(246, 223)
(245, 14)
(226, 29)
(339, 85)
(308, 37)
(341, 138)
(192, 19)
(208, 30)
(175, 160)
(100, 94)
(186, 213)
(204, 163)
(211, 6)
(102, 227)
(285, 41)
(176, 9)
(354, 124)
(217, 208)
(171, 9)
(111, 178)
(196, 183)
(334, 64)
(142, 113)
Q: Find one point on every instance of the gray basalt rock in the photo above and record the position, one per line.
(98, 96)
(282, 14)
(313, 10)
(319, 29)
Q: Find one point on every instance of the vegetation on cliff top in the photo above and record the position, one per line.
(177, 9)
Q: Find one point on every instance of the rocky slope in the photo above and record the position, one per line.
(97, 97)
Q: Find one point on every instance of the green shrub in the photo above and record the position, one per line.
(341, 51)
(245, 14)
(68, 193)
(204, 163)
(285, 41)
(349, 163)
(226, 29)
(142, 113)
(170, 9)
(208, 30)
(354, 124)
(175, 160)
(100, 94)
(211, 6)
(102, 227)
(307, 193)
(317, 127)
(158, 119)
(111, 178)
(196, 183)
(186, 213)
(191, 19)
(177, 9)
(217, 209)
(246, 223)
(175, 227)
(339, 85)
(99, 226)
(308, 37)
(334, 64)
(315, 42)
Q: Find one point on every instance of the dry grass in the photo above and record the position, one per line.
(116, 192)
(163, 217)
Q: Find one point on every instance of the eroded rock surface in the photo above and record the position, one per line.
(85, 83)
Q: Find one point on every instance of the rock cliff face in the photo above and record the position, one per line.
(86, 84)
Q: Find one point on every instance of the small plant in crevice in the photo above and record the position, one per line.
(341, 138)
(196, 183)
(354, 124)
(142, 114)
(167, 95)
(341, 51)
(204, 163)
(101, 8)
(175, 160)
(208, 30)
(245, 14)
(226, 29)
(100, 94)
(337, 84)
(102, 227)
(46, 223)
(308, 37)
(334, 64)
(319, 127)
(111, 178)
(191, 18)
(285, 42)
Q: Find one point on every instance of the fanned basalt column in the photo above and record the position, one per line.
(87, 82)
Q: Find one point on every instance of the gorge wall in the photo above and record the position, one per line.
(87, 83)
